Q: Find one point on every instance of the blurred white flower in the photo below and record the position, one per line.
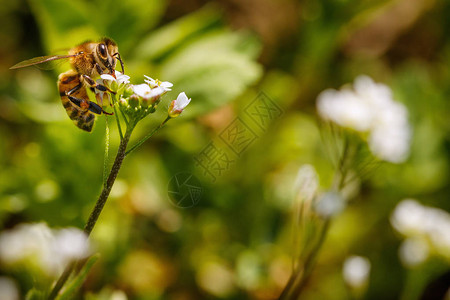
(8, 289)
(49, 250)
(427, 224)
(413, 251)
(356, 271)
(70, 244)
(177, 106)
(329, 204)
(156, 83)
(345, 109)
(306, 183)
(24, 241)
(118, 295)
(408, 217)
(370, 108)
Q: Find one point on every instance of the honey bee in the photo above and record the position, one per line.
(89, 60)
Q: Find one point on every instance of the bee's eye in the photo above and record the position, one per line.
(102, 50)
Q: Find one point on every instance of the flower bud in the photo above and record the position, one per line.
(128, 91)
(177, 106)
(113, 86)
(123, 102)
(133, 101)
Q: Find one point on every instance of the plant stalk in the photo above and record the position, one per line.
(300, 275)
(97, 209)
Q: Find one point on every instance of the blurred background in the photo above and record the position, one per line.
(251, 65)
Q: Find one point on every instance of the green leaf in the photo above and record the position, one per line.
(126, 21)
(35, 294)
(64, 24)
(76, 283)
(214, 69)
(170, 37)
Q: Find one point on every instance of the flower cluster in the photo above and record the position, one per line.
(369, 108)
(141, 99)
(39, 246)
(427, 229)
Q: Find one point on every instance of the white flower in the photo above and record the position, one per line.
(149, 96)
(156, 83)
(120, 78)
(370, 108)
(23, 241)
(356, 271)
(177, 106)
(70, 244)
(329, 204)
(408, 217)
(306, 183)
(112, 83)
(345, 109)
(422, 223)
(413, 251)
(8, 289)
(38, 245)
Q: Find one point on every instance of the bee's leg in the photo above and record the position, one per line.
(81, 103)
(95, 108)
(98, 68)
(73, 90)
(121, 62)
(91, 82)
(89, 105)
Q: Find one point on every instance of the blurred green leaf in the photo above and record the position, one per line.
(74, 285)
(213, 69)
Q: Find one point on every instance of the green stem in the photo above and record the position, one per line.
(147, 136)
(109, 183)
(106, 157)
(299, 277)
(118, 123)
(124, 117)
(97, 209)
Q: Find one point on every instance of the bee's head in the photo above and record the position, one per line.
(105, 55)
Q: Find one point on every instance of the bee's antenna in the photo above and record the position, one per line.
(121, 62)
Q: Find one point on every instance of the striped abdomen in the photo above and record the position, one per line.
(81, 116)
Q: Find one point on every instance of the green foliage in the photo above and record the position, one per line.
(74, 285)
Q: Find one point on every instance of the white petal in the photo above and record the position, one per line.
(166, 85)
(141, 89)
(181, 102)
(149, 78)
(121, 78)
(156, 92)
(107, 77)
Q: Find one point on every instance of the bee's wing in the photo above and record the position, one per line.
(40, 60)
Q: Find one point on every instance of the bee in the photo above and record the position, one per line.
(88, 60)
